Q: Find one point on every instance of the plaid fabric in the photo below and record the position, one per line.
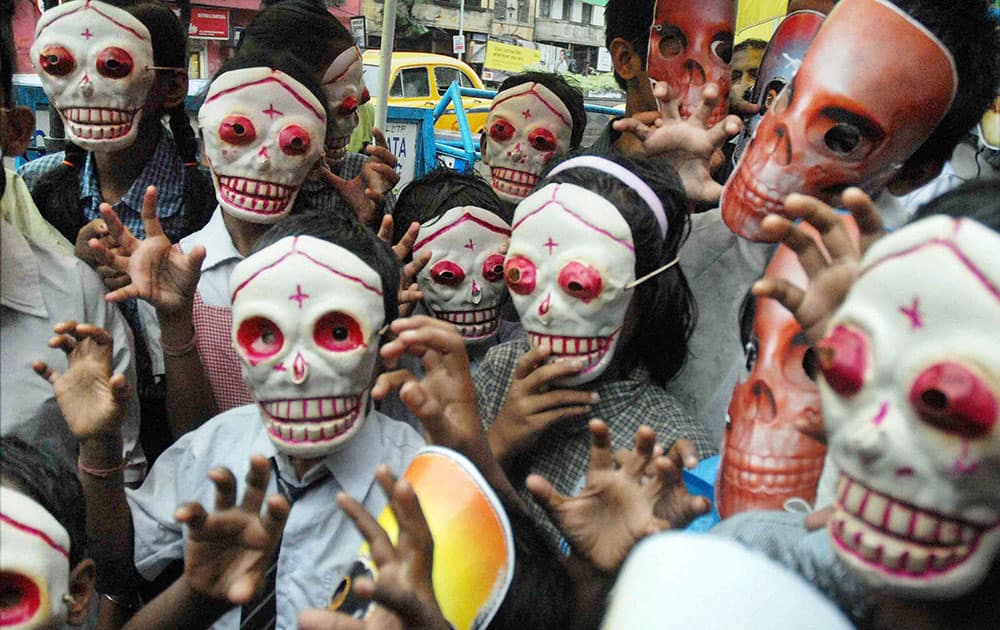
(323, 197)
(213, 330)
(562, 453)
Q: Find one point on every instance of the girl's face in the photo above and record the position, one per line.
(95, 62)
(263, 132)
(344, 86)
(34, 564)
(571, 256)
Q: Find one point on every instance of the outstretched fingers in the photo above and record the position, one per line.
(827, 222)
(866, 216)
(257, 477)
(225, 488)
(150, 220)
(545, 493)
(786, 293)
(600, 445)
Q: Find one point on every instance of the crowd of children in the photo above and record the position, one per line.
(228, 347)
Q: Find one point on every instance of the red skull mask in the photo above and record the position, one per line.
(766, 460)
(690, 46)
(844, 121)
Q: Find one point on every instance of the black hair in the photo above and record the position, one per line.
(570, 96)
(754, 44)
(440, 190)
(303, 28)
(629, 20)
(348, 233)
(57, 191)
(47, 479)
(968, 32)
(665, 305)
(541, 593)
(978, 200)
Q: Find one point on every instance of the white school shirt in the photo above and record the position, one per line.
(319, 543)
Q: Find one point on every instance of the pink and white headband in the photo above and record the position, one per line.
(623, 175)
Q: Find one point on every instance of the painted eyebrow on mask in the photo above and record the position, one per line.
(867, 127)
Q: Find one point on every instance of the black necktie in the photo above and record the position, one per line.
(261, 613)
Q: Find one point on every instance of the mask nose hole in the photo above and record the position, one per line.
(781, 146)
(694, 72)
(765, 407)
(300, 369)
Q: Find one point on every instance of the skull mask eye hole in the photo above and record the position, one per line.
(519, 272)
(542, 140)
(954, 399)
(56, 60)
(842, 138)
(501, 130)
(238, 130)
(722, 46)
(338, 332)
(294, 140)
(114, 63)
(672, 40)
(447, 273)
(365, 96)
(260, 338)
(20, 598)
(493, 268)
(580, 281)
(348, 106)
(843, 359)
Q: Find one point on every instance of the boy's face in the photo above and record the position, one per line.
(95, 62)
(843, 121)
(34, 564)
(911, 401)
(263, 131)
(527, 127)
(344, 86)
(307, 316)
(463, 281)
(744, 74)
(571, 256)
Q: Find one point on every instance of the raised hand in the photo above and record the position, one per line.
(93, 401)
(619, 507)
(403, 588)
(229, 551)
(687, 144)
(161, 274)
(531, 406)
(365, 194)
(409, 291)
(830, 276)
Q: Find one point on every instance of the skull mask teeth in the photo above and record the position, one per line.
(463, 283)
(528, 126)
(344, 86)
(263, 132)
(571, 256)
(910, 394)
(95, 62)
(690, 46)
(841, 122)
(306, 320)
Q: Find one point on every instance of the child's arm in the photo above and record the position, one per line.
(228, 552)
(403, 589)
(166, 278)
(94, 403)
(444, 399)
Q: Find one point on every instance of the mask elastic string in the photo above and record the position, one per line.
(652, 274)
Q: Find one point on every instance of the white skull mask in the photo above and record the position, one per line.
(571, 256)
(344, 86)
(306, 320)
(528, 126)
(95, 62)
(263, 132)
(463, 281)
(910, 396)
(34, 564)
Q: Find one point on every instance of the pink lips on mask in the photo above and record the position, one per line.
(98, 123)
(310, 420)
(591, 349)
(254, 195)
(472, 325)
(513, 182)
(897, 538)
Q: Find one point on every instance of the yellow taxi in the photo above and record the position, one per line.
(421, 79)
